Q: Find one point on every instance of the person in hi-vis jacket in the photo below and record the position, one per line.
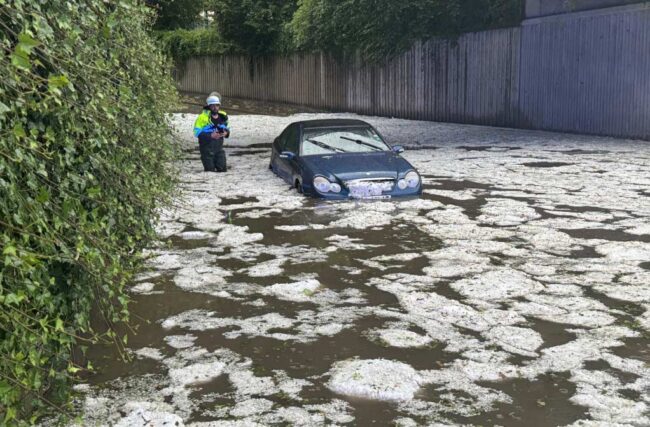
(211, 127)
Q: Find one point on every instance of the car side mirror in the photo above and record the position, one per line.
(398, 149)
(287, 155)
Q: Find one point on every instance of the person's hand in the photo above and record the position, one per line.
(216, 134)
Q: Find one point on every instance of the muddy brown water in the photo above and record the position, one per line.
(540, 402)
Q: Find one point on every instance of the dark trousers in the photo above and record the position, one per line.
(212, 155)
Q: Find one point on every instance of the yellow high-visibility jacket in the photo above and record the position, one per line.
(204, 122)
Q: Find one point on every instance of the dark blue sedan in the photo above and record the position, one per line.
(340, 159)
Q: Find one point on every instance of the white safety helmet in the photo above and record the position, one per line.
(213, 100)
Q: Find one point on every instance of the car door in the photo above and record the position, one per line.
(288, 141)
(276, 149)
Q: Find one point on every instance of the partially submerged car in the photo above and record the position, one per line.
(340, 159)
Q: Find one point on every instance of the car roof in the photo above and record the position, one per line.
(330, 123)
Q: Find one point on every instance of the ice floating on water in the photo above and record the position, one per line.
(504, 212)
(626, 292)
(497, 285)
(149, 353)
(180, 341)
(195, 374)
(143, 288)
(572, 310)
(420, 204)
(195, 235)
(595, 391)
(402, 338)
(348, 243)
(625, 251)
(447, 232)
(641, 229)
(268, 268)
(297, 291)
(233, 235)
(550, 240)
(145, 418)
(456, 195)
(258, 213)
(167, 229)
(362, 219)
(377, 379)
(516, 339)
(200, 277)
(455, 261)
(247, 384)
(292, 227)
(251, 407)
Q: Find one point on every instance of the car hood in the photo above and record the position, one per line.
(347, 166)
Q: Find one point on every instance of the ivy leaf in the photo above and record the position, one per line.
(4, 388)
(4, 109)
(93, 191)
(58, 325)
(20, 55)
(27, 42)
(20, 60)
(13, 299)
(9, 251)
(57, 82)
(10, 415)
(19, 130)
(43, 195)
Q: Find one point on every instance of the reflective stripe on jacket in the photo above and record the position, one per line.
(203, 122)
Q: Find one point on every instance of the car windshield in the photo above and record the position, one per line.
(357, 139)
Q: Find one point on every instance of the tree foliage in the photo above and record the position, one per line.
(377, 28)
(175, 14)
(256, 27)
(84, 163)
(183, 44)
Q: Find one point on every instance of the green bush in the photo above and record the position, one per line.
(380, 28)
(85, 152)
(183, 44)
(256, 27)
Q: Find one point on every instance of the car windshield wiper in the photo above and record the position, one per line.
(325, 146)
(358, 141)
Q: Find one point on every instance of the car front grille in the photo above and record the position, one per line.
(372, 187)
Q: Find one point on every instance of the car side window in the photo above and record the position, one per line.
(291, 142)
(280, 141)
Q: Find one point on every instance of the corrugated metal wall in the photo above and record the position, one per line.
(586, 72)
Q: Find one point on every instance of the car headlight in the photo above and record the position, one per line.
(335, 188)
(412, 179)
(322, 185)
(401, 184)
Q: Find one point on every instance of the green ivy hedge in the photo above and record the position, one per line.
(85, 153)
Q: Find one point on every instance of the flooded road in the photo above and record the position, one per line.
(515, 291)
